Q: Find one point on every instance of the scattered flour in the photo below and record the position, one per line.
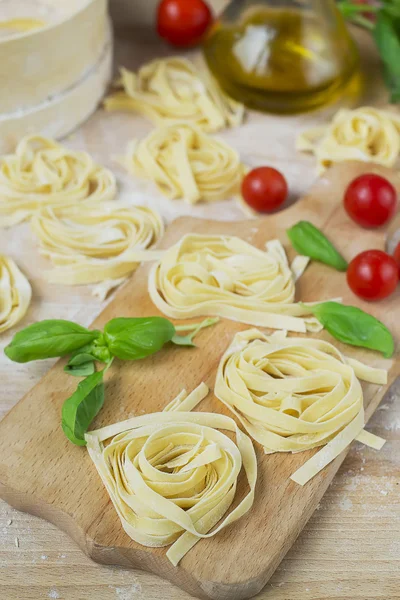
(394, 425)
(44, 557)
(346, 504)
(127, 593)
(53, 594)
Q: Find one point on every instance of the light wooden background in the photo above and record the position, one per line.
(350, 548)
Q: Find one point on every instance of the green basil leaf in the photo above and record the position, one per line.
(132, 339)
(80, 359)
(48, 339)
(187, 340)
(82, 370)
(80, 409)
(387, 38)
(310, 241)
(353, 326)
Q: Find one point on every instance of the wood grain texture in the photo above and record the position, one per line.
(42, 473)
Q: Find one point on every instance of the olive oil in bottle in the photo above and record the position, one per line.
(283, 56)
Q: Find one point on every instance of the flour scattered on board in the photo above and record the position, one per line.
(44, 557)
(394, 425)
(346, 504)
(127, 592)
(53, 594)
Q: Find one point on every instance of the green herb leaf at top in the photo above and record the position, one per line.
(353, 326)
(133, 339)
(310, 241)
(80, 409)
(48, 339)
(387, 38)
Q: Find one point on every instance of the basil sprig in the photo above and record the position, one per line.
(353, 326)
(123, 338)
(308, 240)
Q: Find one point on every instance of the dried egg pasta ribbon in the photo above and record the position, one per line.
(186, 163)
(45, 173)
(226, 277)
(365, 134)
(172, 475)
(90, 244)
(15, 293)
(172, 90)
(294, 394)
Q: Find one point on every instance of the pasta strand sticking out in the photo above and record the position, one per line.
(172, 475)
(45, 173)
(293, 394)
(172, 90)
(365, 134)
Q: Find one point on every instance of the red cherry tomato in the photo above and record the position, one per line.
(183, 22)
(373, 275)
(396, 255)
(370, 200)
(264, 189)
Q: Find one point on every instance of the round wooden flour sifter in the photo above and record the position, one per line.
(54, 74)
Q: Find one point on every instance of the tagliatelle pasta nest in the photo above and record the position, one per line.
(366, 134)
(172, 90)
(97, 244)
(185, 162)
(15, 293)
(224, 276)
(42, 173)
(172, 476)
(293, 394)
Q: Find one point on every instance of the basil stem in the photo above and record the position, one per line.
(308, 240)
(353, 326)
(48, 339)
(187, 340)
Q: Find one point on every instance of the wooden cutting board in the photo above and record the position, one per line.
(41, 472)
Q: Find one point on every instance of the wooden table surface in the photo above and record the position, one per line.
(350, 548)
